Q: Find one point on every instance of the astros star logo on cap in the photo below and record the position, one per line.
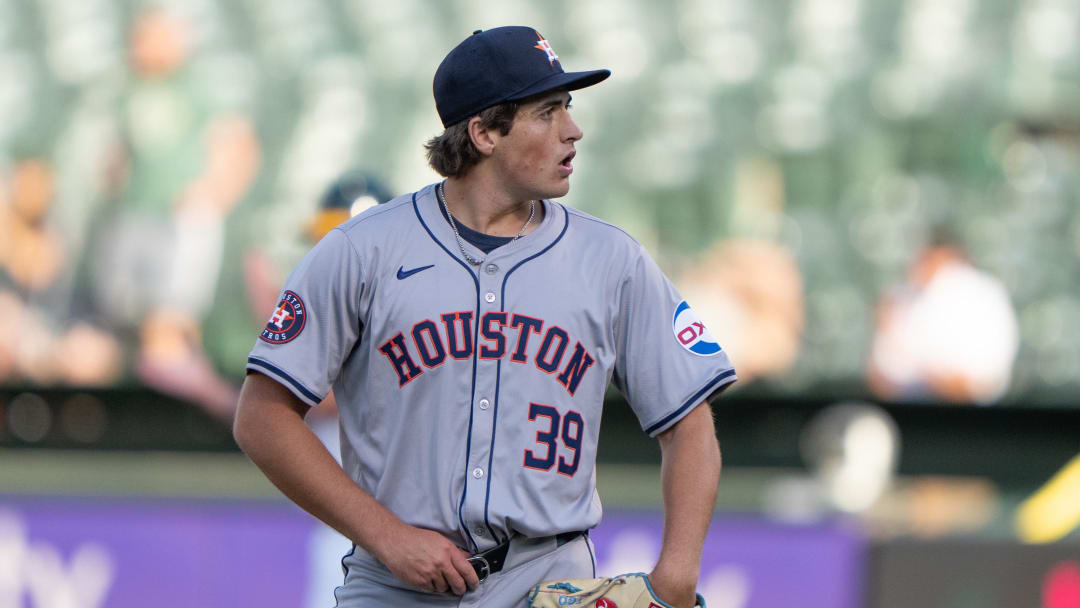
(545, 46)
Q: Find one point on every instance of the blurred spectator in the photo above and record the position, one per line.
(749, 293)
(949, 333)
(159, 253)
(30, 251)
(35, 346)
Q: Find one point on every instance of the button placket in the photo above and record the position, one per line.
(490, 283)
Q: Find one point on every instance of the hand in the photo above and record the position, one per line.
(426, 560)
(679, 590)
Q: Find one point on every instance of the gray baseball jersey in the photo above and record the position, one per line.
(470, 397)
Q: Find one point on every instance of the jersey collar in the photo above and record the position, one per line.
(427, 206)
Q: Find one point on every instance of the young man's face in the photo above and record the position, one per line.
(534, 158)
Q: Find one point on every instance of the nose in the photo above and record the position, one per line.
(571, 132)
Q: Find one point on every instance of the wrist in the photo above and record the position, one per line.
(681, 573)
(676, 588)
(377, 534)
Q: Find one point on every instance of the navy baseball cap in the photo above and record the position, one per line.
(498, 65)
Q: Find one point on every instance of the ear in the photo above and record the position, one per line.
(482, 138)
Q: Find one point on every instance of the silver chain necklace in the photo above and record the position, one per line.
(453, 224)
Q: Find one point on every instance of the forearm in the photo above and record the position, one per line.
(690, 474)
(270, 429)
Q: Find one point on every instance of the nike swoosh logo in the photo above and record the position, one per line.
(404, 274)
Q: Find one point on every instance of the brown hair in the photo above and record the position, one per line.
(452, 154)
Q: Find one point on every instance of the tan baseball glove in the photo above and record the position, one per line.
(624, 591)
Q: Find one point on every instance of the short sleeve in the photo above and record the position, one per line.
(667, 361)
(316, 323)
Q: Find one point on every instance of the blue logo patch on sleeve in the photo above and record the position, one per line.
(691, 332)
(288, 320)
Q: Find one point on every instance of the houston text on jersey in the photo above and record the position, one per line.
(430, 345)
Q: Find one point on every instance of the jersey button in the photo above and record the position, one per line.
(491, 269)
(478, 472)
(484, 404)
(479, 532)
(489, 297)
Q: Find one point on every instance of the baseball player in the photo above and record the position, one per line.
(468, 331)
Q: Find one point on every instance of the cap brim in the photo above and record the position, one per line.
(571, 81)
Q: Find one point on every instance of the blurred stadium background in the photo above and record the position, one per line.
(874, 205)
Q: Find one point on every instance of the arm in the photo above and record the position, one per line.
(270, 428)
(690, 473)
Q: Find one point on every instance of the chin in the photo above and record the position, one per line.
(556, 188)
(559, 191)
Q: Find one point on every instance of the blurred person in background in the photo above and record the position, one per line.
(37, 345)
(30, 259)
(750, 294)
(31, 252)
(159, 250)
(950, 332)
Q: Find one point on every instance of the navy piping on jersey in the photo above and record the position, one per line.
(491, 451)
(494, 417)
(344, 575)
(692, 401)
(300, 388)
(592, 556)
(498, 365)
(472, 396)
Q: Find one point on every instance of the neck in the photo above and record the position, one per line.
(486, 209)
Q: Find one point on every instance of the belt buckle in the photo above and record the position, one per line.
(481, 566)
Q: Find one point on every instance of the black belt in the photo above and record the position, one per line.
(491, 561)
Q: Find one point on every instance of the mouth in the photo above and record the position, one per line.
(565, 165)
